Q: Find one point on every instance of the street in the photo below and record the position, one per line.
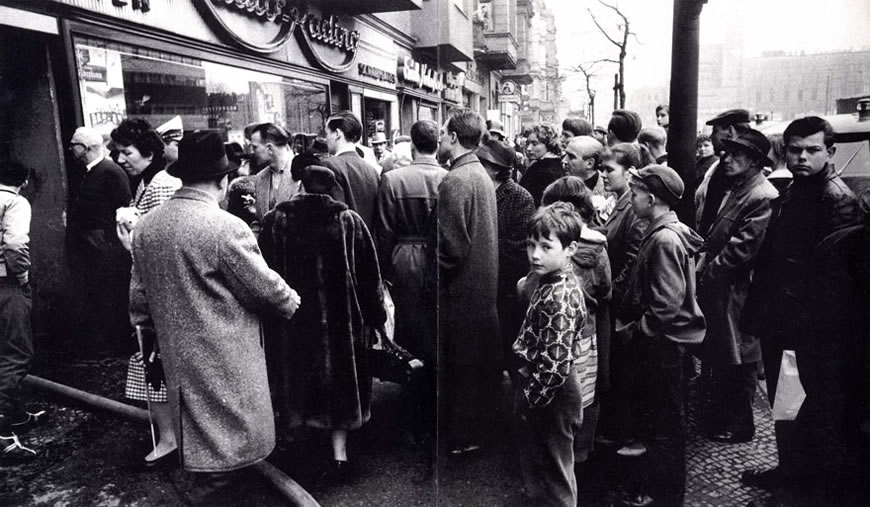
(88, 458)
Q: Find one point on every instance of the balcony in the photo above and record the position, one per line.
(355, 7)
(498, 51)
(521, 73)
(444, 32)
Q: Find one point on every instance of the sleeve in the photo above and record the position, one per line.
(742, 247)
(549, 369)
(667, 287)
(251, 281)
(369, 288)
(118, 191)
(140, 313)
(454, 238)
(157, 193)
(385, 231)
(840, 208)
(15, 229)
(633, 240)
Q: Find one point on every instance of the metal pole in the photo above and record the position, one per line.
(295, 494)
(684, 100)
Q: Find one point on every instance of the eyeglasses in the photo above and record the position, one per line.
(83, 145)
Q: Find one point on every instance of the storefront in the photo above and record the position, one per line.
(68, 63)
(419, 87)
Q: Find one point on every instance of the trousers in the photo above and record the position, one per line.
(16, 349)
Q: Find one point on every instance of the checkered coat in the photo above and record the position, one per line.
(199, 279)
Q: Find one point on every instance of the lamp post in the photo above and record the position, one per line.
(683, 101)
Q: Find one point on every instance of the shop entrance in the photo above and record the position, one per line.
(377, 118)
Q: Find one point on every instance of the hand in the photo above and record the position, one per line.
(295, 300)
(125, 236)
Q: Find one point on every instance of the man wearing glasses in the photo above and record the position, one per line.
(99, 262)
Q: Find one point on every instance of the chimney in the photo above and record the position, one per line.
(864, 109)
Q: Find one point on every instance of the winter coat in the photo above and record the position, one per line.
(468, 265)
(359, 183)
(318, 360)
(780, 305)
(624, 233)
(541, 173)
(725, 267)
(660, 299)
(200, 280)
(406, 204)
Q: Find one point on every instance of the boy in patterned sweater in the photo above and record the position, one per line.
(547, 403)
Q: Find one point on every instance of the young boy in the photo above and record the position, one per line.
(547, 403)
(658, 317)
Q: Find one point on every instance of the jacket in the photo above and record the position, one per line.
(725, 267)
(200, 281)
(267, 197)
(359, 183)
(15, 216)
(624, 233)
(660, 298)
(541, 173)
(468, 265)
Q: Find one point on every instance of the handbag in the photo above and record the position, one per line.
(151, 357)
(391, 363)
(790, 393)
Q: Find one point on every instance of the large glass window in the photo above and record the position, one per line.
(118, 81)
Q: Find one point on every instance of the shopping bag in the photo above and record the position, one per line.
(790, 393)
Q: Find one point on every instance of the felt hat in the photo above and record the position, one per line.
(752, 142)
(662, 181)
(379, 138)
(201, 156)
(497, 153)
(730, 117)
(495, 127)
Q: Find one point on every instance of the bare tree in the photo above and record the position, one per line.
(589, 72)
(620, 41)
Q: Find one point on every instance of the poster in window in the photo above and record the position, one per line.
(101, 81)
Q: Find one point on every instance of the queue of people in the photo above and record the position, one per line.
(573, 275)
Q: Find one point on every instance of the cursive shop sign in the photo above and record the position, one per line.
(323, 39)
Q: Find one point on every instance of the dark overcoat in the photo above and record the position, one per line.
(200, 279)
(725, 267)
(468, 265)
(318, 360)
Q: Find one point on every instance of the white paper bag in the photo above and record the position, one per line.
(790, 393)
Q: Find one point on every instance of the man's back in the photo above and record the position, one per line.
(358, 181)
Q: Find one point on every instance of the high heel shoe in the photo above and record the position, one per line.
(168, 459)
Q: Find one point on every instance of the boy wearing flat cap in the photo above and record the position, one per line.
(659, 317)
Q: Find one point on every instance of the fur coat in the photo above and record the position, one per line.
(318, 362)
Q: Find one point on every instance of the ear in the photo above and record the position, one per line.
(571, 249)
(832, 150)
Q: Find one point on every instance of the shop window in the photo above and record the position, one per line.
(118, 81)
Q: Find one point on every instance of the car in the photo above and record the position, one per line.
(852, 140)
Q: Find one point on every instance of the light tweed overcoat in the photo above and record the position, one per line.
(198, 276)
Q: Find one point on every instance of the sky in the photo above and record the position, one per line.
(767, 25)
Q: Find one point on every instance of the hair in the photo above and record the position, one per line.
(139, 133)
(89, 136)
(663, 107)
(625, 154)
(547, 136)
(625, 125)
(559, 218)
(777, 148)
(13, 174)
(571, 189)
(347, 123)
(424, 136)
(805, 127)
(249, 130)
(300, 163)
(577, 126)
(238, 188)
(468, 126)
(271, 133)
(653, 136)
(701, 139)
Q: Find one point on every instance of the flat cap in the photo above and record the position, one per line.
(730, 117)
(662, 181)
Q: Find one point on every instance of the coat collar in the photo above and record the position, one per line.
(737, 193)
(194, 194)
(663, 220)
(429, 161)
(464, 159)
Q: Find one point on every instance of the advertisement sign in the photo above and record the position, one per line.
(101, 83)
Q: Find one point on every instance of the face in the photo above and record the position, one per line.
(132, 161)
(78, 149)
(641, 201)
(720, 133)
(445, 143)
(535, 148)
(737, 163)
(615, 177)
(548, 254)
(574, 163)
(379, 149)
(566, 138)
(170, 151)
(805, 156)
(705, 149)
(261, 153)
(663, 118)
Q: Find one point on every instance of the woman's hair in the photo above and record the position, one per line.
(777, 147)
(559, 218)
(701, 139)
(138, 132)
(547, 136)
(573, 190)
(624, 154)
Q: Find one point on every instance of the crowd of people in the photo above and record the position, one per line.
(258, 280)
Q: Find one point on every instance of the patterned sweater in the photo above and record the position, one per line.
(551, 335)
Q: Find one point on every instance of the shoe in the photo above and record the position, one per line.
(760, 478)
(337, 472)
(467, 449)
(13, 452)
(632, 450)
(732, 437)
(167, 460)
(633, 500)
(32, 421)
